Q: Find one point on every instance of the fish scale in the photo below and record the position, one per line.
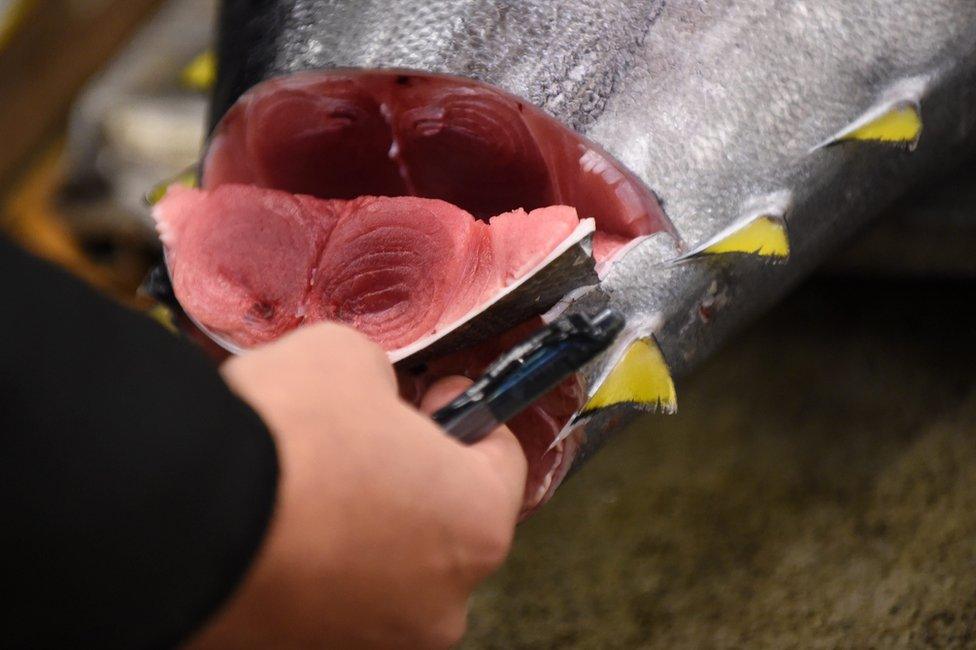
(718, 106)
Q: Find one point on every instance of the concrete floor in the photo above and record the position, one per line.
(817, 489)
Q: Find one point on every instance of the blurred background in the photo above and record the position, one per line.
(817, 488)
(99, 101)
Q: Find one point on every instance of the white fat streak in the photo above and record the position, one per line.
(774, 204)
(585, 229)
(166, 233)
(394, 154)
(592, 162)
(905, 92)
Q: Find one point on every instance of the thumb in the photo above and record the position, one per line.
(442, 392)
(501, 449)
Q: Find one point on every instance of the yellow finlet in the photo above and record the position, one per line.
(763, 235)
(898, 123)
(201, 72)
(187, 178)
(641, 377)
(761, 231)
(164, 316)
(895, 119)
(901, 124)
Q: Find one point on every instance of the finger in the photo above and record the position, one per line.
(504, 456)
(500, 449)
(337, 339)
(442, 392)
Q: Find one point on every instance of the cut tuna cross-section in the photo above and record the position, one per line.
(249, 264)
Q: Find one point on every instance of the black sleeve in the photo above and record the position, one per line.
(136, 487)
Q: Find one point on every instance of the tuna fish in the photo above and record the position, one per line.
(722, 147)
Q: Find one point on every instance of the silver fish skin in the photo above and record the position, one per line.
(719, 106)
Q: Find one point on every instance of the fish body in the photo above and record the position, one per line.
(770, 131)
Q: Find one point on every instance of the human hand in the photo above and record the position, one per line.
(383, 524)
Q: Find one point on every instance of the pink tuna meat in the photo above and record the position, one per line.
(250, 263)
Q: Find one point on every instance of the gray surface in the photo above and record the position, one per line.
(816, 489)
